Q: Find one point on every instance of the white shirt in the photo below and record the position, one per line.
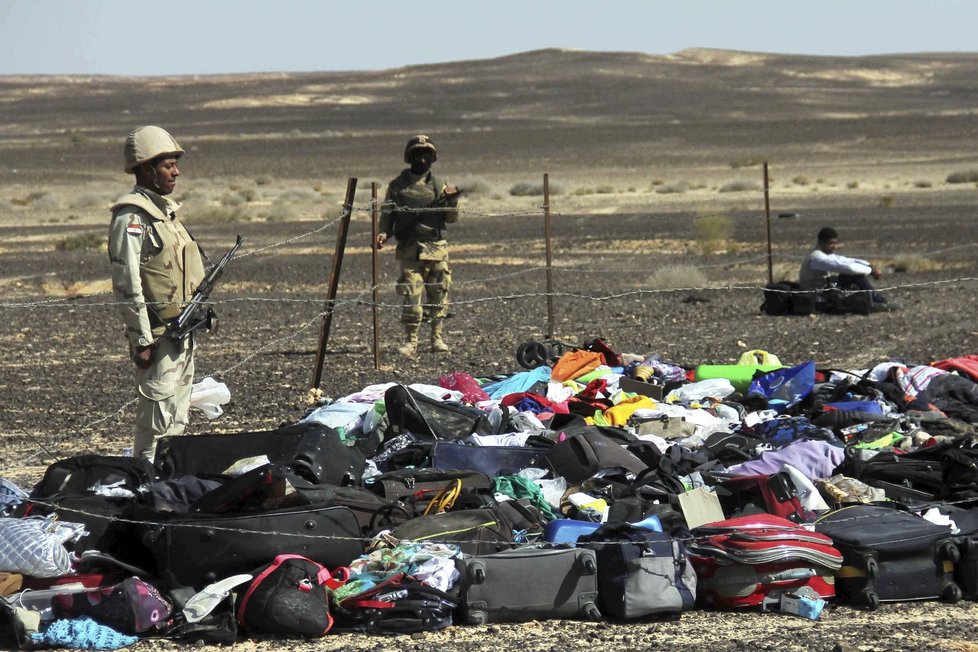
(818, 265)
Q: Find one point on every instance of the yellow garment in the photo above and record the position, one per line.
(618, 415)
(758, 357)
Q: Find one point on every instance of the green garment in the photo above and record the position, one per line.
(518, 487)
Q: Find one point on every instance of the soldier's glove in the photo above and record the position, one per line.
(144, 356)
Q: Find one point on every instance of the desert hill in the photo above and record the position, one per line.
(564, 111)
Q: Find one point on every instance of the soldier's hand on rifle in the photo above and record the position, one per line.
(451, 191)
(144, 356)
(876, 273)
(381, 239)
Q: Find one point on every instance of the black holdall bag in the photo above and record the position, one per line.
(79, 475)
(787, 298)
(580, 456)
(396, 606)
(411, 411)
(312, 450)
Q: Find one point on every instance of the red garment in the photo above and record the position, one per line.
(460, 381)
(966, 365)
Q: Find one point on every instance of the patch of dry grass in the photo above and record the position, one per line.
(914, 263)
(676, 276)
(712, 232)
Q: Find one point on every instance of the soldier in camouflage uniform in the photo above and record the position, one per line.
(156, 266)
(416, 209)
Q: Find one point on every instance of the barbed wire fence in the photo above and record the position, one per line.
(359, 296)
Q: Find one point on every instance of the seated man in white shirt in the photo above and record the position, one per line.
(824, 268)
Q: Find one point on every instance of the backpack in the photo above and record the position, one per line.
(288, 597)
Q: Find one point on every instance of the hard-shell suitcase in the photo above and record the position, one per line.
(750, 561)
(891, 555)
(310, 449)
(529, 583)
(199, 549)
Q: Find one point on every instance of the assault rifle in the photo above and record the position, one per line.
(195, 314)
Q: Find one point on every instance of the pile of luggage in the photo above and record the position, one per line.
(601, 486)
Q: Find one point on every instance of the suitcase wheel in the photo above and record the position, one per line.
(949, 552)
(951, 593)
(476, 617)
(478, 575)
(870, 599)
(967, 547)
(872, 567)
(592, 612)
(589, 566)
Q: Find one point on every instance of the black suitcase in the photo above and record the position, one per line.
(419, 485)
(490, 460)
(311, 450)
(196, 550)
(890, 555)
(529, 583)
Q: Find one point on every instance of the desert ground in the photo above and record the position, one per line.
(659, 245)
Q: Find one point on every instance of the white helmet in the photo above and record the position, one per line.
(146, 143)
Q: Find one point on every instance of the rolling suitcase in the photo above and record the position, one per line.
(641, 572)
(529, 583)
(203, 548)
(751, 561)
(890, 556)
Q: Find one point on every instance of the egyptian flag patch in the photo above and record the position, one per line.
(135, 229)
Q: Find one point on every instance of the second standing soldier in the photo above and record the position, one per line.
(416, 209)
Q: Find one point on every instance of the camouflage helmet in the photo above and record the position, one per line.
(420, 142)
(145, 144)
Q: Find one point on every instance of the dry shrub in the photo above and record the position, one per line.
(739, 186)
(712, 232)
(263, 180)
(220, 215)
(677, 187)
(967, 176)
(921, 183)
(784, 272)
(604, 189)
(676, 276)
(43, 201)
(886, 201)
(534, 188)
(914, 263)
(852, 185)
(87, 200)
(91, 240)
(474, 185)
(746, 162)
(232, 199)
(800, 181)
(298, 196)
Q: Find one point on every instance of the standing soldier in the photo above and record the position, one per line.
(416, 209)
(156, 266)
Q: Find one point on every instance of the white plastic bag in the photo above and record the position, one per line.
(208, 396)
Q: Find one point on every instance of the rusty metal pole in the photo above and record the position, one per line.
(334, 279)
(767, 212)
(548, 233)
(374, 232)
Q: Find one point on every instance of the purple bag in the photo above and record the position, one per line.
(130, 607)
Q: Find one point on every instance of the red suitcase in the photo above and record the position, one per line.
(751, 560)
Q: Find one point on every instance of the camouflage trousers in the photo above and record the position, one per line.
(428, 279)
(163, 401)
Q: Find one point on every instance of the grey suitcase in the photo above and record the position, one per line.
(530, 583)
